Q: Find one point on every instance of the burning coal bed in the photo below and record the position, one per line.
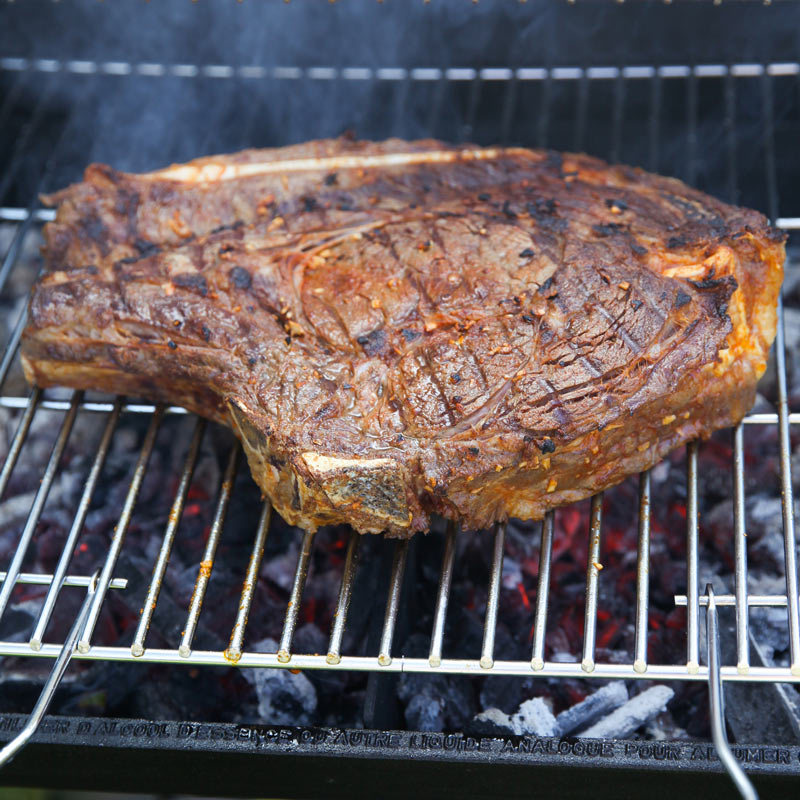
(441, 703)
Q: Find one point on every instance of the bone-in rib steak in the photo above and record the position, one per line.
(397, 329)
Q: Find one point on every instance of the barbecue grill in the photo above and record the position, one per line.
(723, 115)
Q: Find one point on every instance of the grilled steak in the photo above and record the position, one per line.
(398, 329)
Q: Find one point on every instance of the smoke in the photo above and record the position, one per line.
(141, 121)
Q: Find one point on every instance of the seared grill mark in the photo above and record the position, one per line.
(612, 320)
(424, 360)
(478, 366)
(587, 363)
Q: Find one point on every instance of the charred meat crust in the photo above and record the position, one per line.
(475, 333)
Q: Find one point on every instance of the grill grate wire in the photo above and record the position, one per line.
(487, 661)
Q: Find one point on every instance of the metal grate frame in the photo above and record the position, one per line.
(487, 661)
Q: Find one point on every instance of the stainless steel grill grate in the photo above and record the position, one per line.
(686, 666)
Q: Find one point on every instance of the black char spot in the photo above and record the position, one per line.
(231, 227)
(543, 211)
(708, 283)
(681, 299)
(241, 278)
(547, 446)
(95, 229)
(192, 281)
(542, 207)
(145, 246)
(295, 493)
(545, 287)
(373, 342)
(606, 230)
(127, 260)
(325, 410)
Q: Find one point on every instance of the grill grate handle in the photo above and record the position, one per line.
(53, 680)
(738, 775)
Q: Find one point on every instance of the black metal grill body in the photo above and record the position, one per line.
(710, 95)
(239, 760)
